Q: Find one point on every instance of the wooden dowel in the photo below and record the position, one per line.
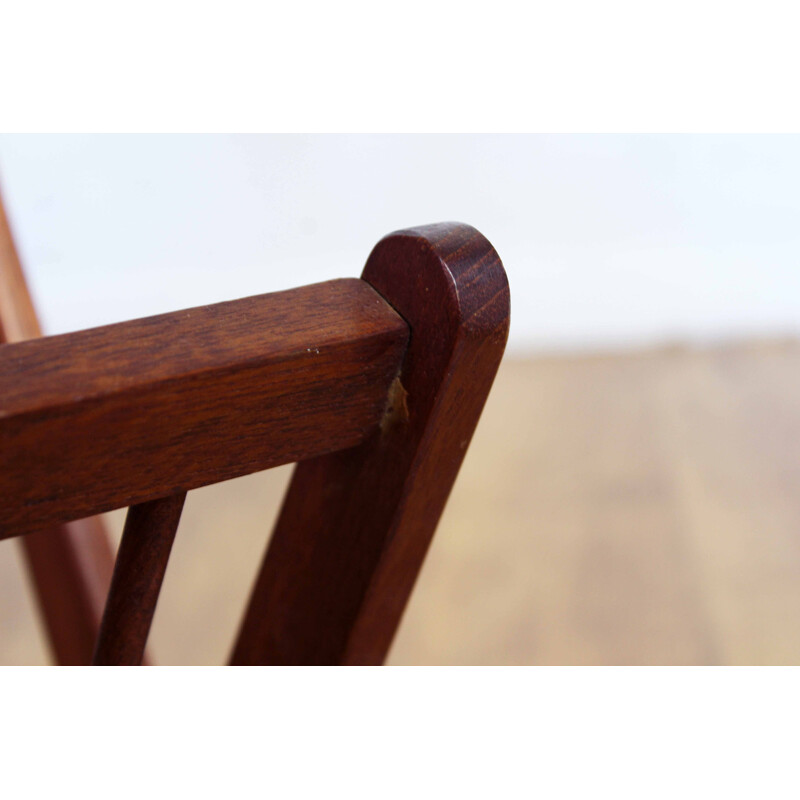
(141, 563)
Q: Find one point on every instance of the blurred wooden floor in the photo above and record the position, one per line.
(630, 509)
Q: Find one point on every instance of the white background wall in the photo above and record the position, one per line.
(608, 240)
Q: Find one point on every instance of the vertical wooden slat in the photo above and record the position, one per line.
(141, 563)
(70, 565)
(355, 525)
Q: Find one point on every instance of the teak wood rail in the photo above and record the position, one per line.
(373, 385)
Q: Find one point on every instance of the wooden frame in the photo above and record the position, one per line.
(71, 564)
(373, 386)
(127, 413)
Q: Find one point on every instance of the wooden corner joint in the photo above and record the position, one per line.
(355, 525)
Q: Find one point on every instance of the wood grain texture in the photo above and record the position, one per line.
(71, 564)
(141, 563)
(355, 525)
(122, 414)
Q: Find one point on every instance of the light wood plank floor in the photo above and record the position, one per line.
(627, 509)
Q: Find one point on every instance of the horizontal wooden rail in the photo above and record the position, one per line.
(127, 413)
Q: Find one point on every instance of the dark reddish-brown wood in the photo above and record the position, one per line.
(70, 565)
(356, 524)
(138, 413)
(71, 568)
(141, 563)
(119, 415)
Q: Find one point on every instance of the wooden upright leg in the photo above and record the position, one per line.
(70, 565)
(355, 525)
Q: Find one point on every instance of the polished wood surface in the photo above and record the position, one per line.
(142, 559)
(71, 563)
(122, 414)
(377, 408)
(355, 525)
